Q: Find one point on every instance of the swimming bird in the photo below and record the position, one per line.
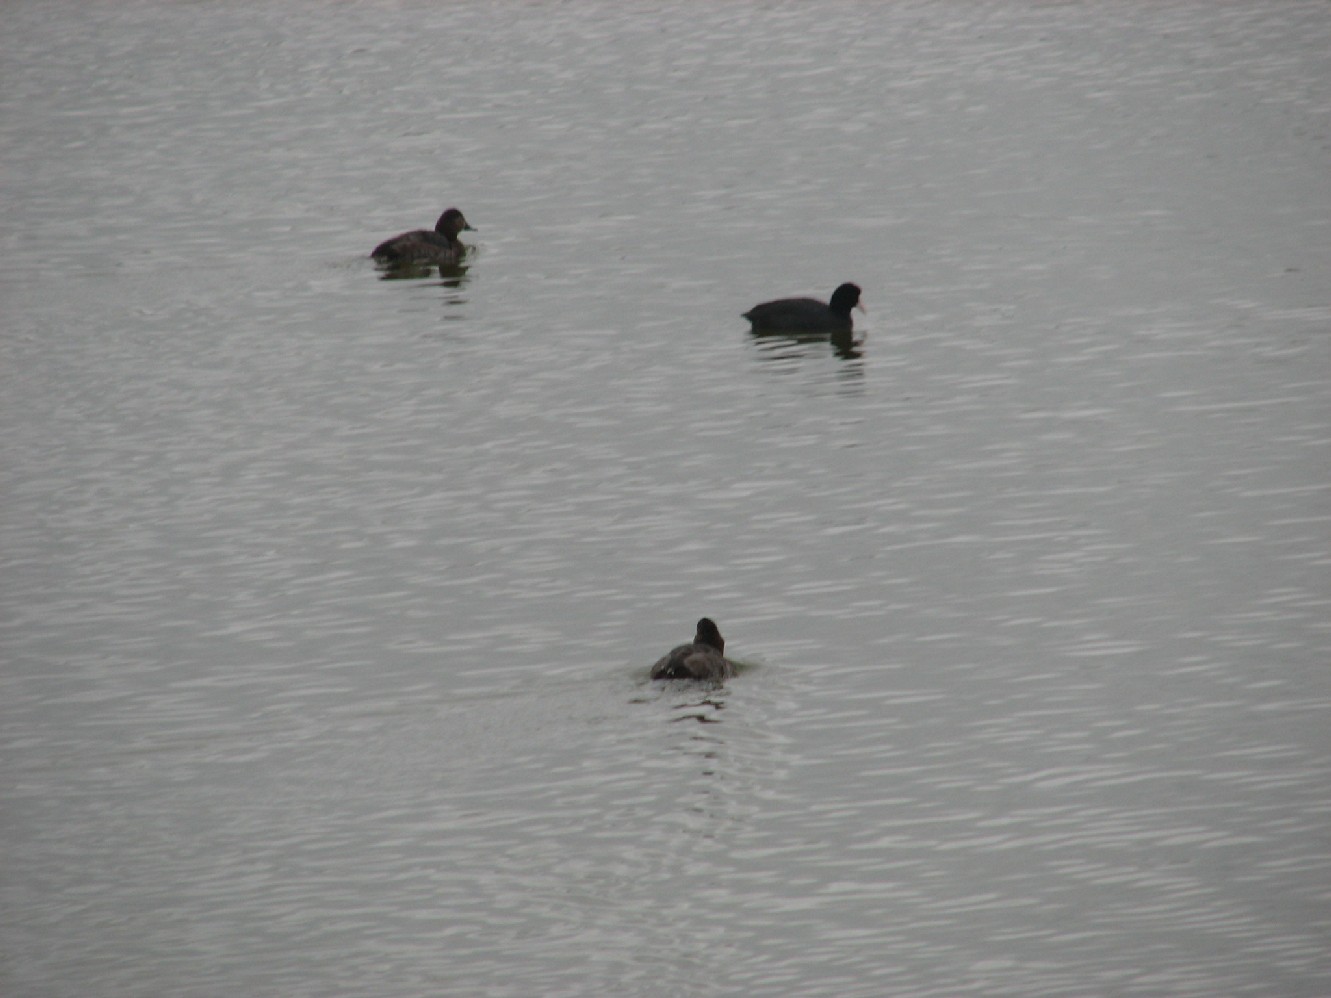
(700, 660)
(807, 315)
(441, 246)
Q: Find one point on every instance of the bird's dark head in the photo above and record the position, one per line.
(709, 635)
(451, 223)
(845, 298)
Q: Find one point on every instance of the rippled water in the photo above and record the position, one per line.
(329, 600)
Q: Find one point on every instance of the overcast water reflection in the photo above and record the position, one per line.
(329, 599)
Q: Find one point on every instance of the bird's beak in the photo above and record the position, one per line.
(860, 306)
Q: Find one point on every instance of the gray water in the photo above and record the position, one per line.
(328, 600)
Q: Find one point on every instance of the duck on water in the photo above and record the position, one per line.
(421, 246)
(807, 316)
(703, 659)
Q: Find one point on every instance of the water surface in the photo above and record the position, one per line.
(329, 600)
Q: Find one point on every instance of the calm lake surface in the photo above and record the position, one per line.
(328, 600)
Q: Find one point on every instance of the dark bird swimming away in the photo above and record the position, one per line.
(701, 660)
(807, 315)
(441, 246)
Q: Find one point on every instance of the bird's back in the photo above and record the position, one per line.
(796, 315)
(420, 246)
(693, 661)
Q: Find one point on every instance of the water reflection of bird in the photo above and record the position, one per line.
(807, 315)
(703, 659)
(441, 246)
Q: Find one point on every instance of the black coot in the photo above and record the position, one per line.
(700, 660)
(441, 246)
(807, 315)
